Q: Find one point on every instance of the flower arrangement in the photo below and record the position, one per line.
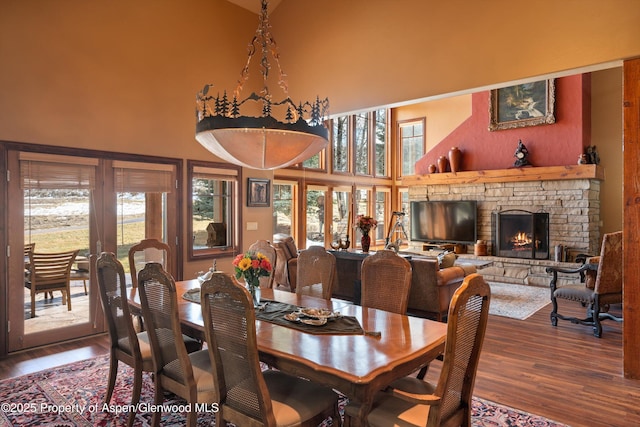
(365, 223)
(251, 266)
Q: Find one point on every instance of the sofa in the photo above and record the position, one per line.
(432, 287)
(286, 262)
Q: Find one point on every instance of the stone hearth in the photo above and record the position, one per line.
(570, 194)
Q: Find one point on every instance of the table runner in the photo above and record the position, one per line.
(274, 311)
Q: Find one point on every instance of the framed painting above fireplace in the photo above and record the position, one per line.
(527, 104)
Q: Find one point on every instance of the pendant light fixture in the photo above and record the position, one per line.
(283, 135)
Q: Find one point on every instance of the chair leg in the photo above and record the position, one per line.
(597, 326)
(158, 397)
(554, 310)
(68, 292)
(423, 372)
(33, 303)
(113, 372)
(135, 395)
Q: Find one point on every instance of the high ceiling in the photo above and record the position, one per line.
(255, 5)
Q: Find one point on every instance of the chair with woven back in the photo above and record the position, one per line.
(602, 287)
(188, 375)
(386, 282)
(148, 250)
(410, 401)
(49, 272)
(249, 396)
(316, 272)
(264, 247)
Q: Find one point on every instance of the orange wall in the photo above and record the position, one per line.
(368, 53)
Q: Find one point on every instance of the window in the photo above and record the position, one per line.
(363, 196)
(361, 143)
(315, 218)
(341, 218)
(340, 144)
(380, 142)
(142, 191)
(382, 211)
(284, 196)
(411, 143)
(214, 209)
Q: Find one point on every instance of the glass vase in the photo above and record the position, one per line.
(255, 293)
(365, 242)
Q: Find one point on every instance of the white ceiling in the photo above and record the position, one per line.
(255, 5)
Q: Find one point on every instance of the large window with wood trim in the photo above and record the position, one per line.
(285, 194)
(411, 145)
(359, 144)
(214, 209)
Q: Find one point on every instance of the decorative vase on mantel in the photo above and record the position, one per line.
(442, 164)
(455, 159)
(365, 242)
(254, 291)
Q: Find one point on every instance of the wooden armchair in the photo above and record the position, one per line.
(50, 272)
(249, 396)
(410, 401)
(595, 294)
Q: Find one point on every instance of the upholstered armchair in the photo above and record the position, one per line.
(287, 266)
(432, 287)
(601, 288)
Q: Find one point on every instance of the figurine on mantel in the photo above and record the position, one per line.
(521, 155)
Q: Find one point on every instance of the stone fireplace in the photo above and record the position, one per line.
(521, 234)
(568, 195)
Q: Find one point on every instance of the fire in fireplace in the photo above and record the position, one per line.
(521, 234)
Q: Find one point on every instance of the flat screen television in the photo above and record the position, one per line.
(444, 221)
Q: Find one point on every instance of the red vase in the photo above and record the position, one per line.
(442, 164)
(365, 242)
(455, 157)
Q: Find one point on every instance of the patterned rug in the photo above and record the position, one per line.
(517, 301)
(71, 395)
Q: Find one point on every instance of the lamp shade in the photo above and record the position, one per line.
(260, 142)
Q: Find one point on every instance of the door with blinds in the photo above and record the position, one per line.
(80, 205)
(52, 240)
(145, 199)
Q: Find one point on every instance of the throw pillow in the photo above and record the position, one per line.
(446, 259)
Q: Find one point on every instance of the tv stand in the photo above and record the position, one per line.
(438, 246)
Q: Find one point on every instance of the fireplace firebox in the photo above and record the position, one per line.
(521, 234)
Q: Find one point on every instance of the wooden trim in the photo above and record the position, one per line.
(544, 173)
(631, 219)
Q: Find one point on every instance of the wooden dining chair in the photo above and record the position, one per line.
(264, 247)
(49, 272)
(188, 375)
(386, 282)
(127, 346)
(316, 272)
(148, 250)
(410, 401)
(248, 396)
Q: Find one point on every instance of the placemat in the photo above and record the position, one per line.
(274, 311)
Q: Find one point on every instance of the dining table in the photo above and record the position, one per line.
(357, 363)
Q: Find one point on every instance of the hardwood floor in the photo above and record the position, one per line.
(563, 373)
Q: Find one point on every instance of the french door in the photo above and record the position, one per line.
(61, 203)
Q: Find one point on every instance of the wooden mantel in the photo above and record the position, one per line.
(544, 173)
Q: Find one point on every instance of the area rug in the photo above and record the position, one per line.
(72, 395)
(517, 301)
